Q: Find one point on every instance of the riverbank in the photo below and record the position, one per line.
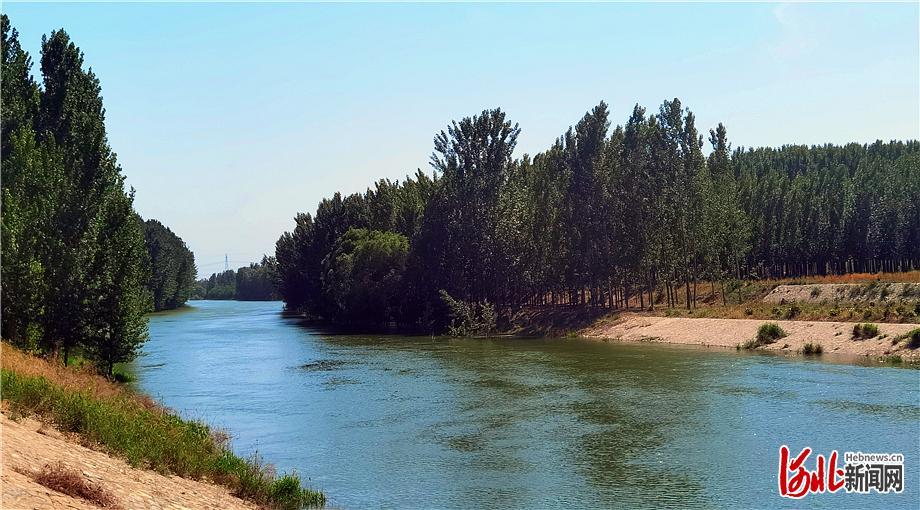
(834, 337)
(28, 445)
(93, 415)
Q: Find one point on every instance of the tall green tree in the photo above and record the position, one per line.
(73, 251)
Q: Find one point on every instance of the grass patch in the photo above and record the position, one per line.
(750, 344)
(865, 331)
(812, 349)
(144, 434)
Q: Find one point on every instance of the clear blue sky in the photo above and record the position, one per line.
(230, 118)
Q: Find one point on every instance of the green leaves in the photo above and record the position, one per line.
(74, 260)
(362, 276)
(172, 267)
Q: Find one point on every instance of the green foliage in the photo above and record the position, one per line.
(153, 438)
(605, 216)
(74, 264)
(468, 319)
(218, 286)
(256, 282)
(362, 276)
(812, 349)
(912, 337)
(769, 333)
(172, 267)
(865, 331)
(766, 334)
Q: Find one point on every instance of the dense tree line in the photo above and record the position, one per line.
(634, 215)
(172, 267)
(74, 262)
(253, 283)
(218, 286)
(257, 281)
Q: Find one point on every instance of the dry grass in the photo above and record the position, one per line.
(71, 482)
(906, 277)
(114, 419)
(83, 379)
(844, 312)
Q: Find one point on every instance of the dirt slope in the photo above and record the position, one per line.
(27, 449)
(845, 292)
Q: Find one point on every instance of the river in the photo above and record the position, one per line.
(418, 422)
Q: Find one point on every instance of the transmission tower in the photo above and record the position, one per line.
(226, 262)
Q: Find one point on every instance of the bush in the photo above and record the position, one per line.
(812, 349)
(864, 331)
(769, 333)
(912, 337)
(766, 334)
(750, 344)
(469, 319)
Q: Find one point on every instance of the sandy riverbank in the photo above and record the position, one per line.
(27, 446)
(834, 337)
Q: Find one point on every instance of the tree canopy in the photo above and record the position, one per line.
(603, 217)
(172, 267)
(75, 268)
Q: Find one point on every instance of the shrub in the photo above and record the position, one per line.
(469, 319)
(884, 292)
(750, 344)
(812, 349)
(912, 337)
(815, 292)
(864, 331)
(766, 334)
(769, 333)
(793, 311)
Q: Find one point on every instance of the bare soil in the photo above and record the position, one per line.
(28, 446)
(834, 337)
(845, 292)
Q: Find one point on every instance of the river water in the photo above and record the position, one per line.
(418, 422)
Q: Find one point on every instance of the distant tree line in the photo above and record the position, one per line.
(634, 215)
(253, 283)
(172, 267)
(80, 267)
